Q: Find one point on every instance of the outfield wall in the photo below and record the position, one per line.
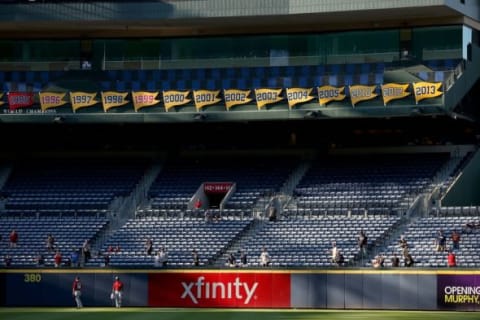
(325, 289)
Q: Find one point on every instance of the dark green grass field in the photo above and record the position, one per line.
(221, 314)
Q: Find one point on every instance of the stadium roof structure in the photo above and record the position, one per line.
(56, 19)
(20, 19)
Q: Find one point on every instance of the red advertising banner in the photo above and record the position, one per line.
(217, 187)
(20, 99)
(218, 289)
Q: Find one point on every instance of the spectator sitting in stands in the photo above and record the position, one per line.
(408, 260)
(231, 261)
(403, 244)
(13, 238)
(208, 216)
(243, 258)
(395, 261)
(7, 260)
(378, 261)
(86, 251)
(272, 213)
(451, 259)
(362, 241)
(339, 259)
(75, 258)
(469, 227)
(196, 258)
(148, 246)
(161, 258)
(440, 241)
(455, 236)
(57, 259)
(50, 243)
(265, 259)
(198, 204)
(334, 252)
(106, 260)
(40, 260)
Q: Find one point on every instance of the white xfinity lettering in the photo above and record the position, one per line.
(212, 290)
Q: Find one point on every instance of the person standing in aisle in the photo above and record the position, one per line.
(77, 292)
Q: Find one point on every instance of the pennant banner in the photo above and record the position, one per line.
(1, 99)
(327, 94)
(267, 96)
(173, 98)
(19, 100)
(235, 97)
(204, 98)
(361, 93)
(112, 99)
(82, 99)
(143, 99)
(298, 95)
(392, 91)
(51, 99)
(426, 90)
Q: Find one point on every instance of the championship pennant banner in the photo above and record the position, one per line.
(142, 99)
(204, 98)
(50, 100)
(233, 97)
(426, 90)
(392, 91)
(267, 96)
(82, 100)
(19, 100)
(173, 98)
(298, 95)
(360, 93)
(112, 99)
(327, 94)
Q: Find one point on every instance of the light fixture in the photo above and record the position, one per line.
(58, 119)
(199, 117)
(312, 114)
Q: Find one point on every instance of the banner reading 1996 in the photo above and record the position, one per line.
(50, 100)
